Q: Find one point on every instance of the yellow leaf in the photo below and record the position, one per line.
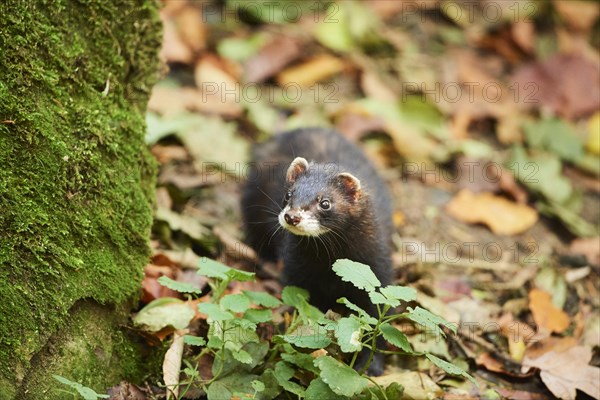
(502, 216)
(311, 72)
(593, 141)
(545, 314)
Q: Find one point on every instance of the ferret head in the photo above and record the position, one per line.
(319, 199)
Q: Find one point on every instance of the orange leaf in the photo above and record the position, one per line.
(311, 72)
(545, 314)
(501, 215)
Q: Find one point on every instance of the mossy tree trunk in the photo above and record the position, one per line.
(76, 188)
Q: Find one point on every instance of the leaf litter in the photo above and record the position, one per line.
(486, 129)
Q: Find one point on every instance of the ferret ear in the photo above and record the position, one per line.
(350, 185)
(296, 168)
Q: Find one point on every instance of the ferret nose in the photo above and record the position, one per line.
(292, 220)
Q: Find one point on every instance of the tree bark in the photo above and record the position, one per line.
(76, 189)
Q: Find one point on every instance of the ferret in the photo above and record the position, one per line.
(312, 197)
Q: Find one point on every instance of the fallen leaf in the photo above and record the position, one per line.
(545, 84)
(499, 214)
(552, 343)
(545, 314)
(191, 28)
(272, 58)
(173, 49)
(311, 72)
(489, 362)
(169, 101)
(151, 289)
(172, 364)
(593, 140)
(556, 136)
(579, 15)
(523, 33)
(518, 334)
(354, 125)
(126, 391)
(217, 84)
(417, 385)
(565, 372)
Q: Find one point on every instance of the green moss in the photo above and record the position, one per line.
(76, 180)
(89, 350)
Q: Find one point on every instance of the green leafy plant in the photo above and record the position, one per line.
(83, 391)
(307, 357)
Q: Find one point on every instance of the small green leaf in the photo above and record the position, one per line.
(262, 299)
(335, 35)
(227, 385)
(342, 379)
(319, 390)
(556, 136)
(362, 313)
(401, 293)
(194, 340)
(394, 390)
(395, 337)
(360, 275)
(180, 287)
(293, 295)
(302, 360)
(348, 333)
(84, 391)
(283, 374)
(214, 342)
(160, 313)
(449, 368)
(212, 268)
(242, 356)
(258, 316)
(242, 276)
(378, 298)
(214, 312)
(429, 320)
(315, 341)
(258, 386)
(235, 302)
(240, 49)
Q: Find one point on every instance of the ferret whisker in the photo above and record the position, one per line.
(270, 198)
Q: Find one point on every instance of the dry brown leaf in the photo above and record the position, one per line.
(218, 86)
(523, 33)
(417, 385)
(579, 15)
(169, 101)
(570, 95)
(354, 125)
(545, 314)
(172, 364)
(565, 372)
(487, 361)
(499, 214)
(173, 49)
(311, 72)
(272, 58)
(191, 28)
(552, 343)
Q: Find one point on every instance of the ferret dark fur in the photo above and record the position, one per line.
(313, 197)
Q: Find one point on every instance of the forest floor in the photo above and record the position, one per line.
(483, 118)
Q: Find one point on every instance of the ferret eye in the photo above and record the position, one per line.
(325, 205)
(288, 195)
